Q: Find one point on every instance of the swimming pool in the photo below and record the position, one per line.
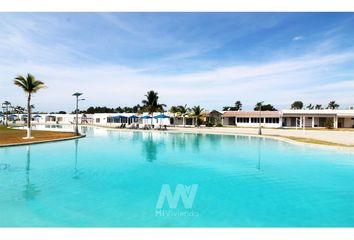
(164, 179)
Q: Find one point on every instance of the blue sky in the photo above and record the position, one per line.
(211, 59)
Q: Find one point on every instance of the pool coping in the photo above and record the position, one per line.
(43, 141)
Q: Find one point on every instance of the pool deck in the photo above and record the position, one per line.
(326, 137)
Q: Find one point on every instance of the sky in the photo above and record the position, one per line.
(207, 59)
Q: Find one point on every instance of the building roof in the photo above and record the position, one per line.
(310, 112)
(251, 114)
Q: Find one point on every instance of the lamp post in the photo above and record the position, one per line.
(77, 95)
(260, 117)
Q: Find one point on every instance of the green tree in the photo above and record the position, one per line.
(318, 107)
(310, 106)
(265, 107)
(151, 103)
(183, 110)
(174, 109)
(329, 123)
(19, 110)
(297, 105)
(332, 105)
(30, 85)
(198, 113)
(180, 110)
(236, 107)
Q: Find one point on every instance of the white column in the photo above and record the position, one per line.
(313, 121)
(303, 122)
(335, 121)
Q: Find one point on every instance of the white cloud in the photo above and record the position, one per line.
(298, 38)
(277, 82)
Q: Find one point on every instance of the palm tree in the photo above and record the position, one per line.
(318, 106)
(151, 103)
(174, 109)
(310, 106)
(30, 85)
(19, 109)
(332, 105)
(197, 112)
(184, 110)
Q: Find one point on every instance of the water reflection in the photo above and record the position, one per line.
(85, 129)
(259, 153)
(150, 148)
(31, 190)
(76, 175)
(196, 142)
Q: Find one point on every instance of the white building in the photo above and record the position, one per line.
(317, 118)
(269, 119)
(290, 118)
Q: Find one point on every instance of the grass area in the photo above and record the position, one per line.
(312, 141)
(13, 136)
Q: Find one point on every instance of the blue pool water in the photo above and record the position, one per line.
(114, 179)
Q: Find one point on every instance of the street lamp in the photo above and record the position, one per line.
(260, 117)
(77, 95)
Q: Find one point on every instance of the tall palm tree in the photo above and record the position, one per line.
(174, 109)
(30, 85)
(197, 111)
(151, 103)
(332, 105)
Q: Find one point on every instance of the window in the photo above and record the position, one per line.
(97, 120)
(243, 120)
(272, 120)
(256, 120)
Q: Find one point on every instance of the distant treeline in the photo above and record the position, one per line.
(134, 109)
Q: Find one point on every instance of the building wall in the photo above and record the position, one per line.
(247, 122)
(286, 119)
(348, 122)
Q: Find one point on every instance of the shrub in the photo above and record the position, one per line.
(219, 125)
(208, 124)
(329, 123)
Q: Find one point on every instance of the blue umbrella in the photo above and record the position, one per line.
(161, 116)
(133, 116)
(37, 116)
(24, 115)
(13, 115)
(119, 116)
(1, 115)
(145, 117)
